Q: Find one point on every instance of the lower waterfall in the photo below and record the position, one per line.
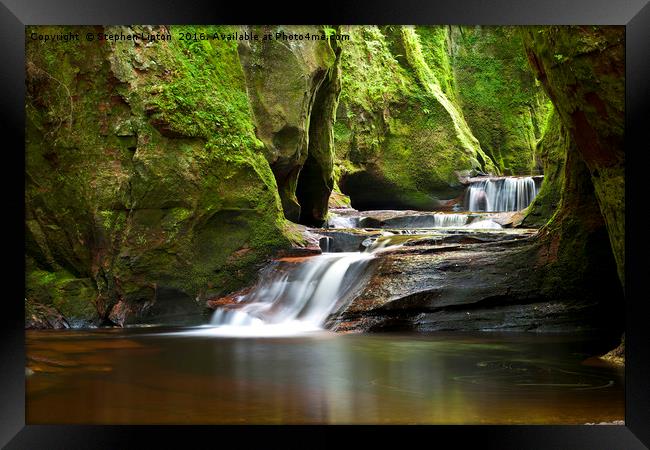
(300, 297)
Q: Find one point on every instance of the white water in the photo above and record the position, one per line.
(297, 299)
(484, 224)
(500, 194)
(426, 221)
(436, 220)
(449, 220)
(336, 221)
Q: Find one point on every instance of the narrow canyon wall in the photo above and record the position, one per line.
(552, 151)
(147, 189)
(568, 277)
(421, 106)
(160, 174)
(400, 134)
(582, 69)
(504, 105)
(293, 87)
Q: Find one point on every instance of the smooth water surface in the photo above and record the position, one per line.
(190, 376)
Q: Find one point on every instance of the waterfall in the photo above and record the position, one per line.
(449, 220)
(429, 221)
(300, 297)
(484, 225)
(500, 194)
(336, 221)
(325, 244)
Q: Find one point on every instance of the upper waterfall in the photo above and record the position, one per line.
(500, 194)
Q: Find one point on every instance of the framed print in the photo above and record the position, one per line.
(401, 218)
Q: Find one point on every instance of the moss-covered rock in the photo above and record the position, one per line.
(400, 135)
(573, 247)
(160, 173)
(144, 173)
(551, 149)
(569, 269)
(422, 105)
(293, 87)
(582, 69)
(502, 102)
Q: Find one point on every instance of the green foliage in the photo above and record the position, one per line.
(329, 31)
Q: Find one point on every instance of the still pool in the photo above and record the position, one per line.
(164, 376)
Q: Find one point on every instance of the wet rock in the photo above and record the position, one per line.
(307, 244)
(39, 316)
(293, 91)
(491, 281)
(169, 306)
(617, 355)
(135, 187)
(349, 240)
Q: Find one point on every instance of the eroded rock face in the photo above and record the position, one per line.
(552, 150)
(423, 106)
(501, 102)
(294, 87)
(582, 69)
(400, 133)
(160, 174)
(144, 176)
(39, 316)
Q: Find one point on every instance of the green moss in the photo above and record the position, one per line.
(429, 78)
(589, 62)
(399, 122)
(144, 172)
(72, 297)
(204, 93)
(501, 101)
(552, 150)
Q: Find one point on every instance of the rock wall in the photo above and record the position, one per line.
(160, 174)
(293, 87)
(146, 187)
(567, 277)
(503, 104)
(582, 69)
(552, 151)
(561, 278)
(400, 134)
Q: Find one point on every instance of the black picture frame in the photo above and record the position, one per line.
(15, 14)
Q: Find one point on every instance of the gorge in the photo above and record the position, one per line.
(413, 187)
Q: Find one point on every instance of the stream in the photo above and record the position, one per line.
(270, 357)
(164, 376)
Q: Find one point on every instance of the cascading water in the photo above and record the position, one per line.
(500, 194)
(486, 224)
(416, 220)
(336, 221)
(301, 295)
(299, 298)
(424, 221)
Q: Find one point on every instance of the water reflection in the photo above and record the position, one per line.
(140, 377)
